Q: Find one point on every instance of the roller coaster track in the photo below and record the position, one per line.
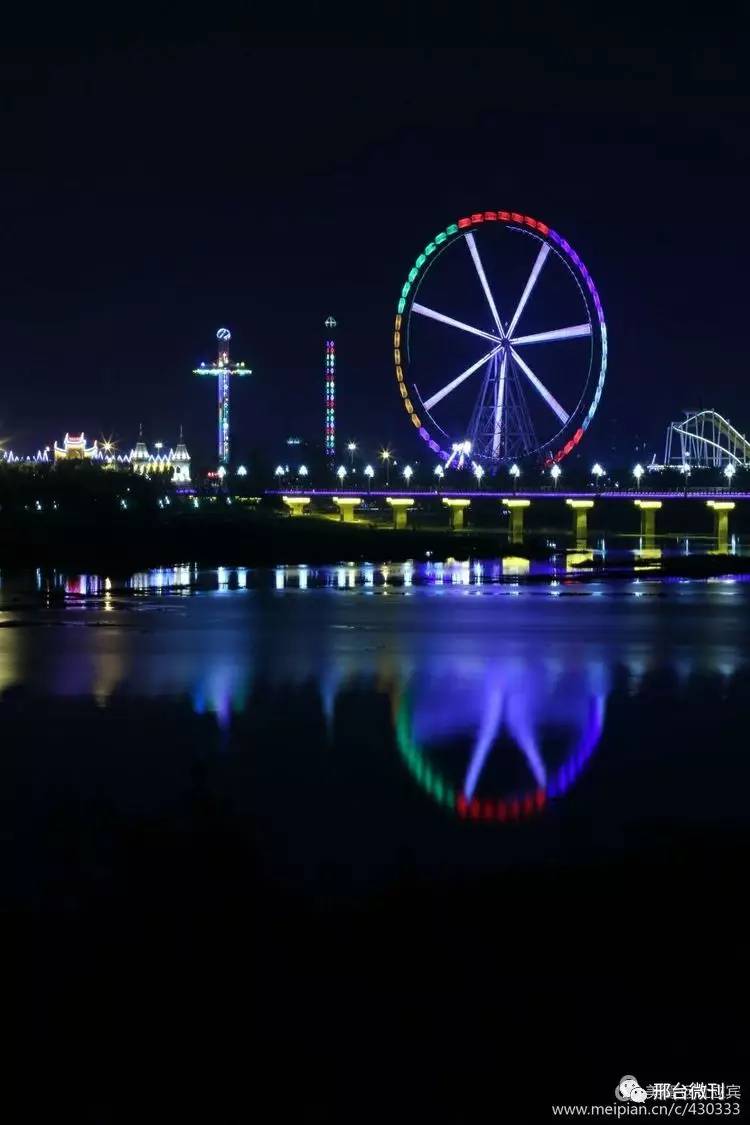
(705, 438)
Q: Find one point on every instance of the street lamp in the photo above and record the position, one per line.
(478, 473)
(278, 471)
(638, 472)
(341, 473)
(303, 470)
(385, 456)
(555, 473)
(685, 470)
(242, 471)
(515, 472)
(729, 472)
(598, 472)
(439, 473)
(222, 472)
(408, 473)
(369, 473)
(352, 447)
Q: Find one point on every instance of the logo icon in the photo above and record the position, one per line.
(629, 1090)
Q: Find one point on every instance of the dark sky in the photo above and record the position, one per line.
(151, 194)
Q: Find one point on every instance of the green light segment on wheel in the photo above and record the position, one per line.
(426, 777)
(429, 249)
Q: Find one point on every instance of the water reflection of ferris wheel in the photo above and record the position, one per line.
(501, 744)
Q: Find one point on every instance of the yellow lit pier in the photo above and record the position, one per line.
(456, 509)
(516, 508)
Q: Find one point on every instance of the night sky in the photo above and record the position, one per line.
(151, 195)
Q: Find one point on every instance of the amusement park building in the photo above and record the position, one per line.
(74, 448)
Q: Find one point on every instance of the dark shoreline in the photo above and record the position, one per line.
(261, 539)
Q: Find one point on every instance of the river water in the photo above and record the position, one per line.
(506, 772)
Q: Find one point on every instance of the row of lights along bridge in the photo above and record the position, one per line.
(346, 475)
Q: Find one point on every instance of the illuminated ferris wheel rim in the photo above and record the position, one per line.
(574, 424)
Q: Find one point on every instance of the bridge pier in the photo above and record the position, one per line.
(516, 508)
(721, 509)
(296, 504)
(400, 507)
(346, 506)
(649, 508)
(580, 519)
(456, 510)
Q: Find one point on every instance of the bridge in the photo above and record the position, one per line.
(719, 502)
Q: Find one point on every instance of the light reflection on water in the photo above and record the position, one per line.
(497, 705)
(513, 569)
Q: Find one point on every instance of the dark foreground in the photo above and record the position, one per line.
(185, 986)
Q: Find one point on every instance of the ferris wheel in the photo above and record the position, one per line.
(500, 344)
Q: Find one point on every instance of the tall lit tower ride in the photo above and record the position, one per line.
(330, 428)
(222, 370)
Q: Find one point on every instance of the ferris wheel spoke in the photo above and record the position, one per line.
(548, 397)
(486, 735)
(555, 334)
(424, 311)
(541, 258)
(499, 404)
(483, 278)
(433, 400)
